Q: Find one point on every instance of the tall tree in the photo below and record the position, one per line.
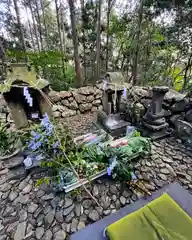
(98, 43)
(60, 36)
(137, 43)
(110, 4)
(38, 19)
(29, 4)
(20, 28)
(75, 43)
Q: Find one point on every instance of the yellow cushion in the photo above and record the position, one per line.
(162, 219)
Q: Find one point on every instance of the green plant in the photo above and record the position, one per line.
(8, 140)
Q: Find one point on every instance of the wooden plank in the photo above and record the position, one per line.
(95, 231)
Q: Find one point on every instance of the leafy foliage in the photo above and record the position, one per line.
(8, 140)
(48, 64)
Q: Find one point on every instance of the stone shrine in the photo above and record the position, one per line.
(19, 76)
(154, 120)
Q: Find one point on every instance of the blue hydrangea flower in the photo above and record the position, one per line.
(56, 144)
(47, 124)
(133, 177)
(109, 171)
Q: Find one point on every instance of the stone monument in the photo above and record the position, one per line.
(110, 118)
(154, 121)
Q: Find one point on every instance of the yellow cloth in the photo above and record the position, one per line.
(162, 219)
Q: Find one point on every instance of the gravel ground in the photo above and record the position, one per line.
(81, 124)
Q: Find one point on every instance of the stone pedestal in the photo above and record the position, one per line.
(154, 121)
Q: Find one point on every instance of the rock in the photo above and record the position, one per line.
(71, 99)
(173, 95)
(106, 212)
(122, 200)
(73, 105)
(27, 189)
(12, 195)
(138, 111)
(48, 197)
(69, 113)
(87, 203)
(80, 226)
(164, 171)
(74, 225)
(39, 232)
(48, 235)
(60, 235)
(68, 210)
(93, 215)
(85, 107)
(13, 162)
(184, 130)
(22, 215)
(22, 185)
(55, 96)
(150, 187)
(55, 202)
(105, 202)
(65, 103)
(117, 204)
(32, 207)
(59, 216)
(86, 90)
(114, 198)
(68, 202)
(24, 199)
(20, 231)
(56, 114)
(65, 94)
(167, 160)
(99, 210)
(162, 176)
(188, 116)
(95, 190)
(96, 102)
(69, 217)
(114, 190)
(148, 164)
(3, 172)
(56, 228)
(79, 98)
(90, 98)
(78, 210)
(94, 109)
(49, 218)
(179, 106)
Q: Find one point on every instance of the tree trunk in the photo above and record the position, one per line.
(84, 46)
(34, 25)
(60, 37)
(30, 29)
(137, 40)
(75, 43)
(20, 29)
(98, 43)
(39, 25)
(44, 23)
(189, 63)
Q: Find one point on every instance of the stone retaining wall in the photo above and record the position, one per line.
(70, 103)
(176, 107)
